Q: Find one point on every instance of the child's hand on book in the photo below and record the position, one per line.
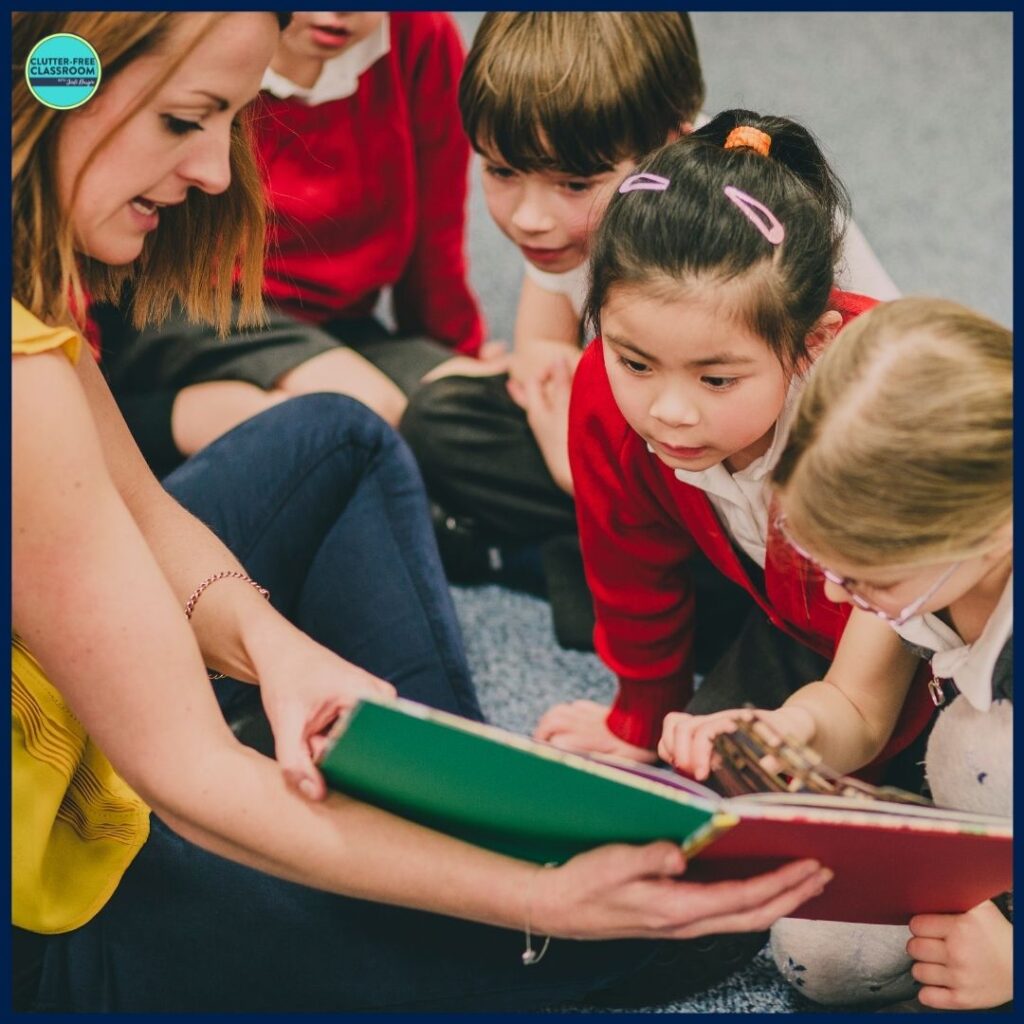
(686, 740)
(964, 961)
(582, 726)
(620, 891)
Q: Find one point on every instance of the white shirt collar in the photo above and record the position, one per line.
(970, 666)
(573, 284)
(741, 499)
(339, 77)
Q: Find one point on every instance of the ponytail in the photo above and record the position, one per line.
(692, 233)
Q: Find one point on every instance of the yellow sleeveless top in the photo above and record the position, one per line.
(75, 824)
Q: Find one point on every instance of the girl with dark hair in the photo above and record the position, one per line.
(712, 287)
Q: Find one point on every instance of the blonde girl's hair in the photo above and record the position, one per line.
(901, 453)
(202, 247)
(578, 91)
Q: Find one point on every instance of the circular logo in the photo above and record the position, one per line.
(63, 71)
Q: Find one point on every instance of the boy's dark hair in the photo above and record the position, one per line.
(663, 242)
(579, 91)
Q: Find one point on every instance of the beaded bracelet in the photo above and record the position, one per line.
(190, 604)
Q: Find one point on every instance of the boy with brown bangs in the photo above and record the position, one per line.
(560, 106)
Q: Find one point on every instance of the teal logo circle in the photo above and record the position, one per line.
(63, 71)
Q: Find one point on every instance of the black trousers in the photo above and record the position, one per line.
(479, 459)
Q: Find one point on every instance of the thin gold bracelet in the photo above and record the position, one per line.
(530, 955)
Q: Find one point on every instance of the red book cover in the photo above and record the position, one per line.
(885, 872)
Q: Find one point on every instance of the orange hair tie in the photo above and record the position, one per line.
(746, 136)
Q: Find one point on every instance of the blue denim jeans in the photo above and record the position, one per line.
(323, 504)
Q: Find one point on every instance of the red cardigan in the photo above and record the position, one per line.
(370, 191)
(638, 527)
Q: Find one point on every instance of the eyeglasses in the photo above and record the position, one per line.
(846, 582)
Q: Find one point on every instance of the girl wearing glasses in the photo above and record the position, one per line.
(897, 483)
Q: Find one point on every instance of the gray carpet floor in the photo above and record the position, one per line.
(915, 111)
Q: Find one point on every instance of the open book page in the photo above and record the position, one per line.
(663, 776)
(853, 808)
(828, 801)
(757, 804)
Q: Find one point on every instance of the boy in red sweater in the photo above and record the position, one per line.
(365, 168)
(713, 288)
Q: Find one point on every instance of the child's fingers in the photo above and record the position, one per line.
(514, 388)
(701, 749)
(584, 717)
(494, 349)
(701, 756)
(562, 373)
(558, 717)
(681, 733)
(931, 974)
(666, 745)
(569, 740)
(938, 997)
(932, 926)
(553, 720)
(533, 393)
(932, 951)
(685, 752)
(726, 726)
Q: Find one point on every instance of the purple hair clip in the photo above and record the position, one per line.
(757, 213)
(644, 183)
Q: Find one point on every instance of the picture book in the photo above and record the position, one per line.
(528, 799)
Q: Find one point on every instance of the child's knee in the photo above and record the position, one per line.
(432, 422)
(346, 372)
(203, 412)
(836, 963)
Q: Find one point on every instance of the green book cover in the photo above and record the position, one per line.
(505, 792)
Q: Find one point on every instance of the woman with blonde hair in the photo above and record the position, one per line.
(159, 864)
(897, 484)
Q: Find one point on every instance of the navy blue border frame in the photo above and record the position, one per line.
(5, 555)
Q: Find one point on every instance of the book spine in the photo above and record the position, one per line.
(708, 833)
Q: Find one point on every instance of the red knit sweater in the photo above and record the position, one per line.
(638, 526)
(370, 191)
